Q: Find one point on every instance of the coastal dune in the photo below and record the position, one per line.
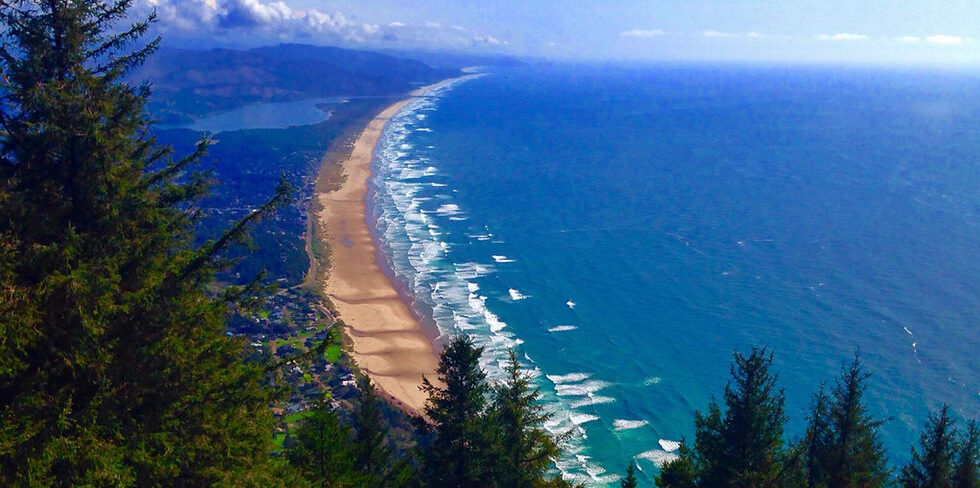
(388, 341)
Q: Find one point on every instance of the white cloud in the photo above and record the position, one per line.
(642, 33)
(487, 40)
(750, 35)
(324, 22)
(246, 12)
(944, 40)
(843, 36)
(714, 33)
(264, 20)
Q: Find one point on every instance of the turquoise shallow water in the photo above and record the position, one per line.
(627, 229)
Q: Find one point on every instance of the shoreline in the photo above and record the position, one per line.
(389, 342)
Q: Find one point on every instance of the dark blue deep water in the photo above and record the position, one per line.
(628, 229)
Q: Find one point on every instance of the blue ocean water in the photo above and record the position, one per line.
(629, 228)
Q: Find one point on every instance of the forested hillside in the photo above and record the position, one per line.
(188, 83)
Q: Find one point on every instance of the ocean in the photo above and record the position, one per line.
(628, 228)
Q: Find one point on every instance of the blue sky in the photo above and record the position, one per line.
(851, 31)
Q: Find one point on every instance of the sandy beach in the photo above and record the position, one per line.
(388, 341)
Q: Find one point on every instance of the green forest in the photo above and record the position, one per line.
(116, 369)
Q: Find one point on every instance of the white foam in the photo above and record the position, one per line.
(590, 401)
(658, 457)
(502, 259)
(571, 304)
(562, 328)
(581, 418)
(423, 129)
(448, 209)
(652, 381)
(479, 304)
(516, 294)
(623, 424)
(568, 378)
(581, 389)
(669, 446)
(468, 271)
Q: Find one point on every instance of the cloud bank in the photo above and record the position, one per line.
(260, 21)
(642, 33)
(843, 36)
(945, 40)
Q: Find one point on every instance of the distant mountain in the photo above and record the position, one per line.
(188, 83)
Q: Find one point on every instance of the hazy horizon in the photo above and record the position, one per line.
(912, 32)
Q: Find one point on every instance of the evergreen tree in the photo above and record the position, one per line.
(794, 472)
(372, 456)
(818, 441)
(459, 455)
(323, 454)
(743, 447)
(629, 481)
(114, 366)
(932, 464)
(843, 447)
(528, 450)
(679, 473)
(966, 473)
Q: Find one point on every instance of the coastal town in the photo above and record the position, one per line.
(301, 334)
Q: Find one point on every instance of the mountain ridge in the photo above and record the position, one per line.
(188, 84)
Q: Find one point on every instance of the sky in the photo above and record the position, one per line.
(842, 31)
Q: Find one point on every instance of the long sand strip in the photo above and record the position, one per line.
(388, 341)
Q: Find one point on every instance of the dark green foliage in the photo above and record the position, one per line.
(372, 455)
(679, 473)
(794, 469)
(322, 451)
(114, 366)
(629, 481)
(815, 448)
(458, 456)
(517, 418)
(932, 463)
(842, 447)
(328, 453)
(743, 446)
(966, 473)
(502, 444)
